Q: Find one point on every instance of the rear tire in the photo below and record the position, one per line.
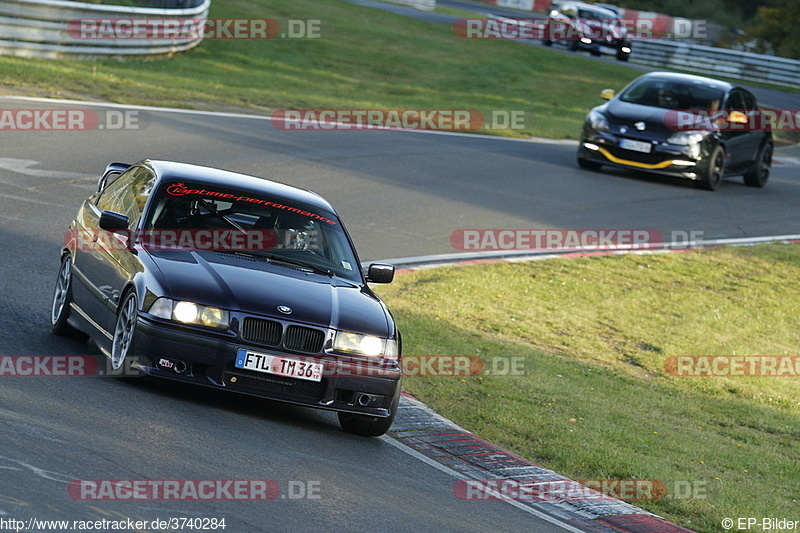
(711, 177)
(759, 174)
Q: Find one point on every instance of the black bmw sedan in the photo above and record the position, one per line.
(233, 282)
(679, 125)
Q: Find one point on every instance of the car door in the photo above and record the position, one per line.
(123, 259)
(89, 293)
(754, 137)
(741, 142)
(107, 263)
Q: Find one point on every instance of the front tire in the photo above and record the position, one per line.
(368, 426)
(622, 56)
(759, 174)
(62, 298)
(124, 330)
(711, 177)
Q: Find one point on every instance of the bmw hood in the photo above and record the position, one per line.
(256, 286)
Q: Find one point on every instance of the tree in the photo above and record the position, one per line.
(776, 30)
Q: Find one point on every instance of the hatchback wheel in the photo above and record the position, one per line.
(711, 178)
(759, 174)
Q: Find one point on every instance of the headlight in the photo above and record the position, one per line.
(597, 121)
(185, 312)
(190, 313)
(356, 343)
(685, 138)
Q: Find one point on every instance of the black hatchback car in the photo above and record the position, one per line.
(233, 282)
(588, 27)
(679, 125)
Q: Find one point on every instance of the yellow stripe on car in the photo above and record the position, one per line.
(650, 166)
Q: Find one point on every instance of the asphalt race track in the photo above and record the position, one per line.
(400, 194)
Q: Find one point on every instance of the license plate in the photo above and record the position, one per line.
(636, 146)
(279, 365)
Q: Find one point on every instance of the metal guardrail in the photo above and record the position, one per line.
(734, 64)
(693, 57)
(39, 28)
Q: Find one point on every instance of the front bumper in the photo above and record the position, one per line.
(600, 46)
(348, 384)
(682, 161)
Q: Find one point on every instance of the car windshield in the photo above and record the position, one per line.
(188, 215)
(671, 94)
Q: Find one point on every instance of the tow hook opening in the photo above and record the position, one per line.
(176, 365)
(364, 399)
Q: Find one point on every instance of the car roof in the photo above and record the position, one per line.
(610, 7)
(688, 78)
(171, 170)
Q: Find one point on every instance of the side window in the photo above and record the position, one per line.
(736, 101)
(749, 101)
(128, 194)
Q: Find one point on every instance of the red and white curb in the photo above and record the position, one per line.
(437, 441)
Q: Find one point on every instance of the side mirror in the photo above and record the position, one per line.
(111, 173)
(737, 117)
(607, 94)
(378, 273)
(113, 222)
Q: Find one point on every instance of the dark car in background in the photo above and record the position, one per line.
(233, 282)
(679, 125)
(588, 27)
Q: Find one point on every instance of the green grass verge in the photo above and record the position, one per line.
(593, 335)
(366, 58)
